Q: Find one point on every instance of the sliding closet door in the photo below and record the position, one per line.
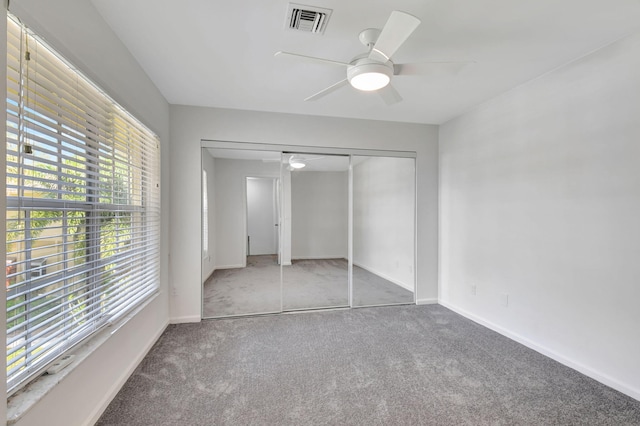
(240, 210)
(383, 230)
(315, 231)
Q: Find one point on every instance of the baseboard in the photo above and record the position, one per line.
(123, 378)
(208, 276)
(429, 301)
(337, 256)
(587, 371)
(381, 275)
(185, 319)
(236, 266)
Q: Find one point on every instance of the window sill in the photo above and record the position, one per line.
(20, 402)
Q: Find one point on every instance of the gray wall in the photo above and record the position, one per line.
(540, 201)
(189, 125)
(319, 215)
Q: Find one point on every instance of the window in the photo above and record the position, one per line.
(83, 207)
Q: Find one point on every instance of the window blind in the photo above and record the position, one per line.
(83, 207)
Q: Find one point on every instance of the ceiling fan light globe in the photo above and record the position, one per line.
(369, 77)
(370, 81)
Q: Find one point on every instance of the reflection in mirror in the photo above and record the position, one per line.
(240, 270)
(315, 231)
(383, 230)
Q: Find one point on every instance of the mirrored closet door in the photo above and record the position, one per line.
(383, 230)
(240, 221)
(316, 231)
(294, 230)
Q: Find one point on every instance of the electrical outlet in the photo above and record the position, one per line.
(473, 289)
(504, 300)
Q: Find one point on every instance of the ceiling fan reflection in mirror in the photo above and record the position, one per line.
(295, 161)
(374, 69)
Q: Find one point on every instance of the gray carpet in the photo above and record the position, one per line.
(306, 284)
(370, 290)
(397, 365)
(318, 283)
(250, 290)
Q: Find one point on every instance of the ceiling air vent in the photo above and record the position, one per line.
(308, 19)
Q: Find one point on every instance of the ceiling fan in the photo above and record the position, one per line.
(295, 161)
(373, 70)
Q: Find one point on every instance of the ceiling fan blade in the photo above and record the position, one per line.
(390, 95)
(396, 31)
(431, 68)
(310, 58)
(328, 90)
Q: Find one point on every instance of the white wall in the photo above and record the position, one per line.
(76, 29)
(231, 208)
(384, 217)
(189, 125)
(540, 201)
(319, 215)
(209, 261)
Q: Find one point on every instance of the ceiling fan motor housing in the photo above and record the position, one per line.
(368, 75)
(369, 37)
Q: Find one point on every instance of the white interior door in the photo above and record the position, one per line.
(262, 221)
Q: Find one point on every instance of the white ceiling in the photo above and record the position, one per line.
(220, 54)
